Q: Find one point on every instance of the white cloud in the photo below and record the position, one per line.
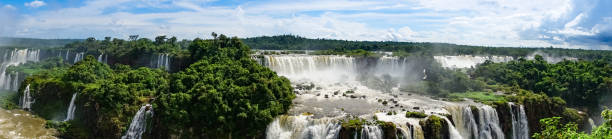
(35, 4)
(479, 22)
(9, 7)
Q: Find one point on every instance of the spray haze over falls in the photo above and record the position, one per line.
(332, 87)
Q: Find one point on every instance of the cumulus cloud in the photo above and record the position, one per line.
(35, 4)
(542, 23)
(586, 22)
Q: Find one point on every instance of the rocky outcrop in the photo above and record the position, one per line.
(435, 128)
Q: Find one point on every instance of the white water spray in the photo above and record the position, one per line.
(71, 108)
(520, 129)
(15, 57)
(139, 123)
(78, 57)
(26, 99)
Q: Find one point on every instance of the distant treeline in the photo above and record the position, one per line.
(34, 43)
(292, 42)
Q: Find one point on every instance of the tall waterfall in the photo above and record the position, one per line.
(489, 123)
(303, 127)
(485, 127)
(102, 58)
(26, 99)
(464, 121)
(520, 129)
(71, 108)
(162, 60)
(452, 131)
(10, 81)
(66, 56)
(78, 57)
(139, 123)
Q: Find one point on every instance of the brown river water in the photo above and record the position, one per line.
(16, 124)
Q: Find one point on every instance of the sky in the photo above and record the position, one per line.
(584, 24)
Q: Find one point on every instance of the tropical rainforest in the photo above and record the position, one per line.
(215, 88)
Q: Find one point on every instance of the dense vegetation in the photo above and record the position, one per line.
(215, 89)
(34, 43)
(223, 93)
(553, 129)
(580, 83)
(292, 42)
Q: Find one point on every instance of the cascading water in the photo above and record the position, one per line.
(10, 81)
(464, 121)
(71, 108)
(303, 127)
(371, 132)
(520, 129)
(102, 58)
(66, 57)
(139, 123)
(332, 78)
(487, 125)
(162, 60)
(452, 131)
(78, 57)
(467, 61)
(26, 99)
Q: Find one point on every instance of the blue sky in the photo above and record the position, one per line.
(583, 24)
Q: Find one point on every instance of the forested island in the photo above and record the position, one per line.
(293, 87)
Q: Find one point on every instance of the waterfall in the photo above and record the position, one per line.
(485, 127)
(489, 123)
(453, 133)
(162, 60)
(464, 121)
(78, 57)
(371, 132)
(102, 58)
(15, 57)
(26, 99)
(338, 68)
(520, 129)
(467, 61)
(71, 108)
(139, 123)
(67, 53)
(303, 127)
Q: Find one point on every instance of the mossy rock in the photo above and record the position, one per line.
(415, 115)
(435, 128)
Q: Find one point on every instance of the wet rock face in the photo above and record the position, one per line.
(505, 118)
(435, 128)
(537, 109)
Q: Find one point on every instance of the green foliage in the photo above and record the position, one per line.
(355, 53)
(107, 98)
(434, 127)
(224, 93)
(292, 42)
(477, 96)
(8, 99)
(355, 124)
(554, 130)
(580, 83)
(34, 43)
(32, 68)
(415, 115)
